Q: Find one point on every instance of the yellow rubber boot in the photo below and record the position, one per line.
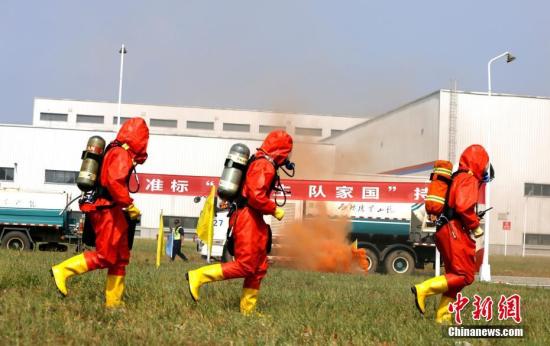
(249, 298)
(198, 277)
(113, 291)
(64, 270)
(427, 288)
(442, 315)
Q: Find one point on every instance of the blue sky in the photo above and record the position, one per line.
(355, 58)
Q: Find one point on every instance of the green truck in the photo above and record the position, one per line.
(25, 227)
(396, 246)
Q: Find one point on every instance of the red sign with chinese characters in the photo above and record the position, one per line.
(506, 225)
(311, 190)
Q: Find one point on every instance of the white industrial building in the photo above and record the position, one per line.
(398, 146)
(46, 155)
(46, 159)
(187, 121)
(441, 125)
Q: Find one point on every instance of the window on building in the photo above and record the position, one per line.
(269, 128)
(334, 132)
(200, 125)
(6, 173)
(537, 239)
(539, 190)
(60, 177)
(54, 117)
(90, 119)
(307, 131)
(236, 127)
(163, 123)
(122, 120)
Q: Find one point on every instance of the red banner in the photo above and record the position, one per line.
(311, 190)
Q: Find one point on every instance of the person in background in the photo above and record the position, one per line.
(178, 235)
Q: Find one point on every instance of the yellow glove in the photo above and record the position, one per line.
(279, 213)
(133, 212)
(478, 232)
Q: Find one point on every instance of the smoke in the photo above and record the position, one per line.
(313, 161)
(320, 244)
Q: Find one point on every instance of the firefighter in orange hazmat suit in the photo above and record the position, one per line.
(107, 214)
(453, 239)
(250, 232)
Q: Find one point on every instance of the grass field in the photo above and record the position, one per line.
(521, 266)
(537, 266)
(299, 308)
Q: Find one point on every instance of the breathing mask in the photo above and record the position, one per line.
(489, 174)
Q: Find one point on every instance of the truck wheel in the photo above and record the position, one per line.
(399, 262)
(16, 241)
(373, 261)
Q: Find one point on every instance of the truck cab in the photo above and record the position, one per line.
(38, 220)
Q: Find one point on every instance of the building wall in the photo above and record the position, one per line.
(32, 150)
(519, 151)
(226, 123)
(414, 134)
(407, 136)
(519, 145)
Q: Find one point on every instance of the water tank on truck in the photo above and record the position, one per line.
(395, 246)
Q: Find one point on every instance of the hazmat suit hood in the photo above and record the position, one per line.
(474, 159)
(277, 145)
(135, 133)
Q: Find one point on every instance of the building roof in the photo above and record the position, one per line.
(378, 117)
(204, 108)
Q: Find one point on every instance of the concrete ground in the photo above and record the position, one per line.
(522, 281)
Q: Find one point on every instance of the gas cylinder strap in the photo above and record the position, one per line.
(230, 163)
(447, 215)
(90, 155)
(434, 176)
(267, 157)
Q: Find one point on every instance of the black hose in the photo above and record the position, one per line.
(279, 188)
(68, 204)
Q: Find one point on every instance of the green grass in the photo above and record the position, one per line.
(300, 308)
(520, 266)
(537, 266)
